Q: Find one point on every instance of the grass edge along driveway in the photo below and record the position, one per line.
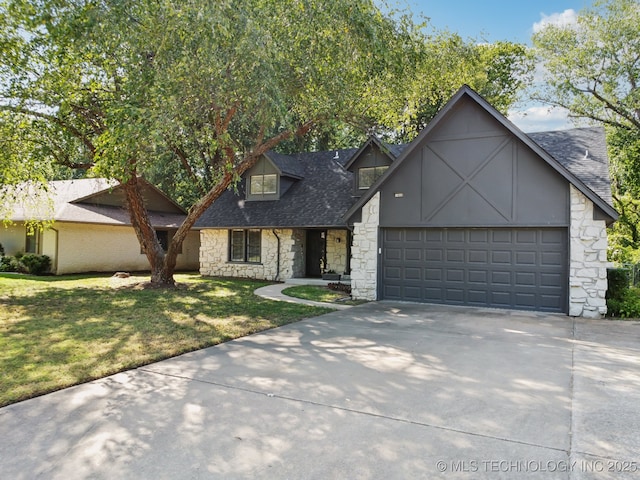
(56, 332)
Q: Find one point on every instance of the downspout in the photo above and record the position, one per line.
(349, 242)
(277, 256)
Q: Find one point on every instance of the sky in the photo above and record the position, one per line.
(512, 20)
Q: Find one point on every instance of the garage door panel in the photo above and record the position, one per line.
(550, 258)
(478, 277)
(478, 256)
(522, 268)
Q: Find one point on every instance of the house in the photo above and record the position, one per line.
(472, 212)
(91, 230)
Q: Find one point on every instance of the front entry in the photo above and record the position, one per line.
(315, 252)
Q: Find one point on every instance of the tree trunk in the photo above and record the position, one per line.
(163, 265)
(161, 270)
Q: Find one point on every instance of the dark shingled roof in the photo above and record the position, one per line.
(582, 151)
(323, 190)
(318, 199)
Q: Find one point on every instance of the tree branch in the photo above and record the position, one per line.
(58, 121)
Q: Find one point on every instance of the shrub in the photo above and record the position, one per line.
(1, 250)
(340, 287)
(626, 307)
(11, 264)
(618, 283)
(36, 264)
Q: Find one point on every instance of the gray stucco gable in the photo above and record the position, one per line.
(564, 152)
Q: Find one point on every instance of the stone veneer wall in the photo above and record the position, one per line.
(588, 267)
(336, 251)
(214, 256)
(364, 252)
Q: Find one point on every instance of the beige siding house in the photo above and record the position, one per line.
(91, 229)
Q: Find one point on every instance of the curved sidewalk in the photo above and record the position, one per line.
(274, 292)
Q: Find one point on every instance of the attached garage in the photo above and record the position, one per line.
(519, 268)
(474, 212)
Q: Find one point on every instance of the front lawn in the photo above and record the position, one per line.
(319, 293)
(60, 331)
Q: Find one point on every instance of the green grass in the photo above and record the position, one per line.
(320, 294)
(60, 331)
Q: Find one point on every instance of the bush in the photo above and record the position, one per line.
(626, 307)
(1, 250)
(11, 264)
(618, 283)
(26, 263)
(340, 287)
(36, 264)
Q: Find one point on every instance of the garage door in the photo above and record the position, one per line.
(492, 267)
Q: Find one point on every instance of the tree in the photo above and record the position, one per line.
(113, 87)
(434, 67)
(593, 70)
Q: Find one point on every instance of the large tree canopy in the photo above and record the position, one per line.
(593, 70)
(193, 92)
(111, 86)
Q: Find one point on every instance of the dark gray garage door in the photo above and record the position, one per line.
(521, 268)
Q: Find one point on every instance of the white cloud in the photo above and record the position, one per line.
(568, 17)
(541, 119)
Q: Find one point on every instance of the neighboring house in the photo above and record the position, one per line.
(472, 212)
(91, 230)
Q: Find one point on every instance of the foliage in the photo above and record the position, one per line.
(626, 307)
(36, 264)
(618, 283)
(1, 250)
(433, 68)
(340, 287)
(26, 263)
(11, 264)
(592, 69)
(61, 331)
(624, 237)
(126, 88)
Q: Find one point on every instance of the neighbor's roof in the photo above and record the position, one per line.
(88, 200)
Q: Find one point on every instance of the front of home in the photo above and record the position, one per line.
(472, 212)
(90, 229)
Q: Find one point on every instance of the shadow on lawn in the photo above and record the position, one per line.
(55, 337)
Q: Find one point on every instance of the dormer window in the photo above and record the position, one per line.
(368, 175)
(264, 184)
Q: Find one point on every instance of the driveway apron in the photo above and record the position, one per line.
(383, 390)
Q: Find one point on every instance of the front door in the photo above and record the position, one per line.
(315, 252)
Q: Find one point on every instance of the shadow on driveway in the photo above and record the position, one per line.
(381, 390)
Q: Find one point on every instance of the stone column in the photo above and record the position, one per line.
(364, 252)
(588, 266)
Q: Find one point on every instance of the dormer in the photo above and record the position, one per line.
(369, 164)
(271, 177)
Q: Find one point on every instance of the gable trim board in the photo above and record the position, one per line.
(470, 173)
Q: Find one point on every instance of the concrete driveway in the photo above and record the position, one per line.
(378, 391)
